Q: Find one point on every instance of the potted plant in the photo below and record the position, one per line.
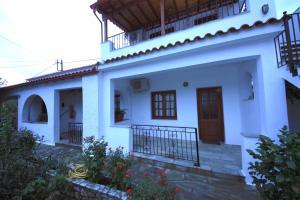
(119, 115)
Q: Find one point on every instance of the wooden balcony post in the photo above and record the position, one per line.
(104, 18)
(162, 17)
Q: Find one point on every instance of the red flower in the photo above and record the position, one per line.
(162, 174)
(129, 191)
(127, 174)
(146, 173)
(177, 189)
(120, 165)
(156, 198)
(162, 182)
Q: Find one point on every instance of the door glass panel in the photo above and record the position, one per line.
(204, 105)
(213, 106)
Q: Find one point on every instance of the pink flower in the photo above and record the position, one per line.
(162, 182)
(129, 191)
(127, 174)
(177, 189)
(120, 165)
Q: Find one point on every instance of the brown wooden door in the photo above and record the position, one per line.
(210, 115)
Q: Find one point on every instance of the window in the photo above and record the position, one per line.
(164, 105)
(158, 33)
(208, 18)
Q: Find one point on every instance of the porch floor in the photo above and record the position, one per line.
(223, 158)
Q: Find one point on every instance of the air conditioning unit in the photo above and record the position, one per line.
(139, 85)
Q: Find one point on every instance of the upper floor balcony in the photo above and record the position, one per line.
(146, 23)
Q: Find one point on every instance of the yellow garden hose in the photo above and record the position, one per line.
(80, 171)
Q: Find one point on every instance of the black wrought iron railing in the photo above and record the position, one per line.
(287, 43)
(167, 141)
(205, 12)
(75, 133)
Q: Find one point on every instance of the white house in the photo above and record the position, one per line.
(183, 74)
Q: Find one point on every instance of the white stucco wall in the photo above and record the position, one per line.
(249, 108)
(91, 111)
(49, 130)
(187, 116)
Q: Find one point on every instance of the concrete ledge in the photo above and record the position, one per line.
(86, 190)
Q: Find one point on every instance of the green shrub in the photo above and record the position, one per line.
(116, 166)
(276, 171)
(93, 158)
(22, 172)
(53, 188)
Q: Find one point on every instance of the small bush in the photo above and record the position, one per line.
(23, 174)
(116, 166)
(93, 158)
(152, 188)
(54, 188)
(276, 171)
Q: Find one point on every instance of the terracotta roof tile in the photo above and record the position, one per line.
(57, 76)
(197, 38)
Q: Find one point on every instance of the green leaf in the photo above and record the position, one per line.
(291, 164)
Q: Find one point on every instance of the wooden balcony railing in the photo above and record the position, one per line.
(205, 12)
(287, 43)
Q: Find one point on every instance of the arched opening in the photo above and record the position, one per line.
(35, 110)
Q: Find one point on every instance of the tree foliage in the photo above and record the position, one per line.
(23, 173)
(276, 171)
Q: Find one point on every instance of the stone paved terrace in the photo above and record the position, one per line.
(195, 183)
(219, 158)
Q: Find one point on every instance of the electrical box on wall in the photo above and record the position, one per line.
(139, 85)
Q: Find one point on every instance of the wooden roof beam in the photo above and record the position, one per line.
(126, 6)
(127, 21)
(176, 8)
(144, 15)
(130, 11)
(186, 4)
(152, 9)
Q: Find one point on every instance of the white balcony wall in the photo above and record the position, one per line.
(253, 14)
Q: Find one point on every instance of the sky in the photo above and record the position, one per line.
(35, 33)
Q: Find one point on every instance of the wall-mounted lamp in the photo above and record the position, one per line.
(185, 84)
(265, 9)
